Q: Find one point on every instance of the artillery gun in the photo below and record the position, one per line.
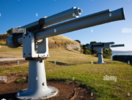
(34, 37)
(99, 48)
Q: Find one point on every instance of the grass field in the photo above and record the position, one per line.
(71, 64)
(10, 52)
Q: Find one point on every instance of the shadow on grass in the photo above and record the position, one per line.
(56, 80)
(124, 62)
(66, 64)
(61, 63)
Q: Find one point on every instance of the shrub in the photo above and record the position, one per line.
(86, 51)
(55, 42)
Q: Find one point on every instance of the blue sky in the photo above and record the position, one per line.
(15, 13)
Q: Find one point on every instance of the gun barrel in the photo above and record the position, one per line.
(117, 45)
(100, 44)
(81, 23)
(74, 12)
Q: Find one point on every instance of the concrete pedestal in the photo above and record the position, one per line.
(100, 56)
(37, 85)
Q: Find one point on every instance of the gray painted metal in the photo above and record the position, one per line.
(37, 85)
(96, 44)
(88, 16)
(99, 48)
(10, 43)
(80, 23)
(117, 45)
(29, 47)
(74, 12)
(19, 40)
(100, 55)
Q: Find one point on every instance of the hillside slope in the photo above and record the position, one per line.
(54, 42)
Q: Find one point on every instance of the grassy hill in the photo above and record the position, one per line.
(72, 64)
(3, 38)
(54, 42)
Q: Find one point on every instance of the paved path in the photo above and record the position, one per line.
(10, 59)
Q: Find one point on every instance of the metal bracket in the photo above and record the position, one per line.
(32, 49)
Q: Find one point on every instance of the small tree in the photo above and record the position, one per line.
(86, 51)
(55, 42)
(9, 31)
(93, 51)
(107, 53)
(93, 42)
(78, 41)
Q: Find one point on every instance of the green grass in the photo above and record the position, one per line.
(71, 64)
(20, 80)
(91, 75)
(10, 52)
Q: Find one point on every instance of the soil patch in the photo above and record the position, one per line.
(67, 91)
(9, 63)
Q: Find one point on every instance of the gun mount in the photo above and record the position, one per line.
(41, 30)
(99, 48)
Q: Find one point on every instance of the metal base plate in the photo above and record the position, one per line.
(39, 95)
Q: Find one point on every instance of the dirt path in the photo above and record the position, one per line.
(9, 63)
(67, 91)
(10, 59)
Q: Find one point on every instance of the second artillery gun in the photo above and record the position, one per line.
(41, 30)
(99, 48)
